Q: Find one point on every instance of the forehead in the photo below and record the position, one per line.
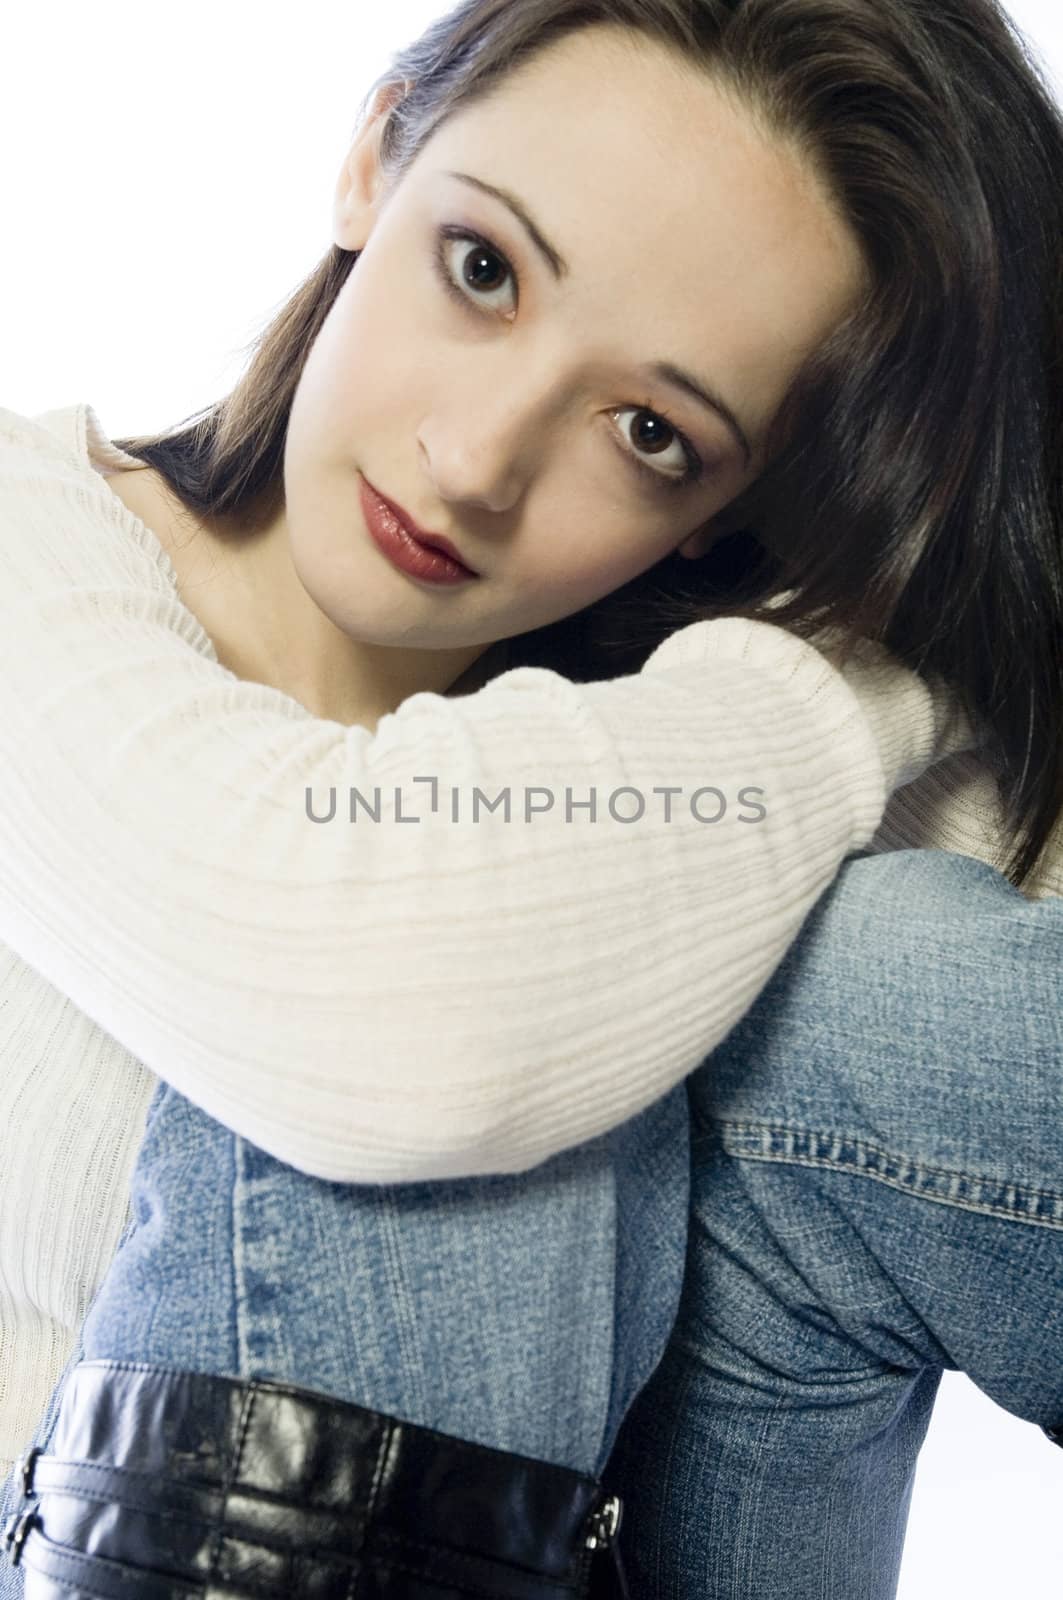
(690, 230)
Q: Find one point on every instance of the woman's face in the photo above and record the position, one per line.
(508, 402)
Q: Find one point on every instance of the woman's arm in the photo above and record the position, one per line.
(401, 1000)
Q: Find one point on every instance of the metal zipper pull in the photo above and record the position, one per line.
(605, 1525)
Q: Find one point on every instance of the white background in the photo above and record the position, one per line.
(167, 180)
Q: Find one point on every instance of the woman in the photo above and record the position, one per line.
(911, 310)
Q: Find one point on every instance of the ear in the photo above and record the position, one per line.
(358, 188)
(697, 545)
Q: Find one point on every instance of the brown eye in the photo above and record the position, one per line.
(473, 270)
(481, 269)
(651, 437)
(651, 433)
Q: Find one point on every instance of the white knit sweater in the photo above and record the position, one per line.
(372, 1001)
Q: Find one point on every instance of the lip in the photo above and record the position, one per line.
(421, 555)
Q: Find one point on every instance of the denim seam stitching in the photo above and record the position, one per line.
(924, 1182)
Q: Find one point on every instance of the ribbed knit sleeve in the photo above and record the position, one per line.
(436, 992)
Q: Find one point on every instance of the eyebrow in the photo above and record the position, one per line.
(666, 371)
(554, 259)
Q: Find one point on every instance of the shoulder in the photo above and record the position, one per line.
(60, 520)
(71, 435)
(51, 442)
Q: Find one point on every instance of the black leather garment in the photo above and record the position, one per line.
(168, 1485)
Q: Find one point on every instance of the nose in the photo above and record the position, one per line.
(480, 453)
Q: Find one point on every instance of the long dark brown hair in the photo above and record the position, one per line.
(914, 486)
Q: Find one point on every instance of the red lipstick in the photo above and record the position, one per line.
(421, 555)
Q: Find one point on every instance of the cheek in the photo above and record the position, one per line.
(580, 577)
(363, 366)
